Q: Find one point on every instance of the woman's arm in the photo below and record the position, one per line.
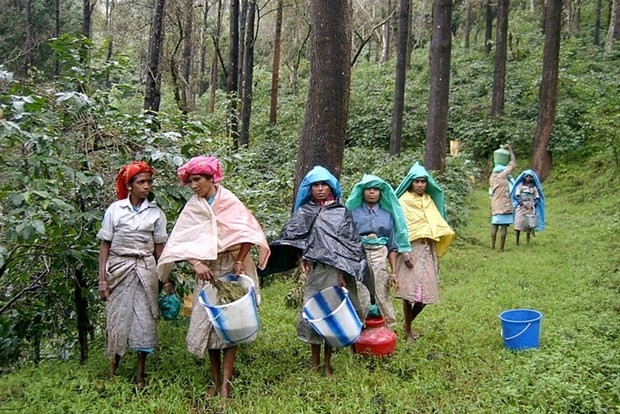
(243, 253)
(104, 253)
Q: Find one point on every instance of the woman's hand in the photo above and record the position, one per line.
(104, 291)
(304, 266)
(168, 287)
(394, 280)
(341, 281)
(203, 272)
(238, 268)
(408, 260)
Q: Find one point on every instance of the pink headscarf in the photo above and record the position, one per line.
(201, 165)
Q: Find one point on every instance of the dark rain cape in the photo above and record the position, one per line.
(322, 234)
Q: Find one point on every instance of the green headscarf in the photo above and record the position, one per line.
(388, 201)
(432, 188)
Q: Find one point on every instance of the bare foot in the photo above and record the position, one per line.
(211, 392)
(315, 369)
(225, 391)
(329, 371)
(140, 383)
(412, 336)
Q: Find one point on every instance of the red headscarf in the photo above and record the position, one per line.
(126, 173)
(201, 165)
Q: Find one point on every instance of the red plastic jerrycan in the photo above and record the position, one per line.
(376, 338)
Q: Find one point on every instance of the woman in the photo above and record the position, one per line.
(379, 220)
(214, 234)
(132, 237)
(321, 238)
(421, 199)
(500, 183)
(527, 198)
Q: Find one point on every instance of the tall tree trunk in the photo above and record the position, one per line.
(275, 73)
(233, 73)
(501, 47)
(213, 78)
(387, 29)
(467, 23)
(243, 13)
(109, 11)
(399, 84)
(410, 41)
(152, 92)
(188, 28)
(248, 74)
(327, 108)
(56, 35)
(613, 33)
(541, 156)
(87, 18)
(437, 121)
(488, 27)
(29, 38)
(202, 85)
(597, 23)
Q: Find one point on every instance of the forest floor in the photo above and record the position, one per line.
(569, 272)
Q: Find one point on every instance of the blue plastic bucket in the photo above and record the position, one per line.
(331, 314)
(236, 322)
(521, 328)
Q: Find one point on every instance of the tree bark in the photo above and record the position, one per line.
(597, 23)
(488, 28)
(275, 73)
(233, 73)
(213, 78)
(399, 84)
(56, 35)
(203, 50)
(87, 18)
(29, 38)
(467, 23)
(325, 122)
(387, 28)
(613, 33)
(242, 33)
(437, 121)
(501, 47)
(248, 74)
(187, 92)
(541, 156)
(152, 92)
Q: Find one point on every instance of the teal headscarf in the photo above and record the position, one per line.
(315, 175)
(432, 188)
(388, 201)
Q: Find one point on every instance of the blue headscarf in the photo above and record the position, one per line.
(388, 201)
(432, 188)
(540, 207)
(315, 175)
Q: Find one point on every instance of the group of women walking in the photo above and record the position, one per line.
(348, 243)
(520, 202)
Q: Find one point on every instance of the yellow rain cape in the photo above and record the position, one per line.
(424, 220)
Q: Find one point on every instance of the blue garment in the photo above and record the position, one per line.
(316, 175)
(376, 221)
(502, 219)
(540, 206)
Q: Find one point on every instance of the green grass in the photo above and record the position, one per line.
(570, 272)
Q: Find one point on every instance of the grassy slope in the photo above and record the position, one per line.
(569, 273)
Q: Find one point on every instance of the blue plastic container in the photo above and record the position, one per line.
(331, 314)
(521, 328)
(236, 322)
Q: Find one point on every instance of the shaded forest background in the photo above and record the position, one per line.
(85, 86)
